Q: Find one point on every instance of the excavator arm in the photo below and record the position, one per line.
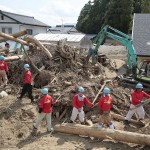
(109, 32)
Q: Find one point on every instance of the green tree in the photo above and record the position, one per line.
(137, 4)
(97, 15)
(119, 14)
(146, 6)
(83, 17)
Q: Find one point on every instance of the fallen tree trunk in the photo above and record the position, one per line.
(13, 58)
(16, 35)
(9, 37)
(118, 135)
(39, 44)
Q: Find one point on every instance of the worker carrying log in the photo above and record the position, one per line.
(27, 87)
(45, 110)
(78, 102)
(136, 104)
(3, 69)
(104, 106)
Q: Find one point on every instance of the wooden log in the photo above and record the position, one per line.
(13, 58)
(16, 35)
(39, 44)
(4, 49)
(122, 118)
(9, 37)
(117, 135)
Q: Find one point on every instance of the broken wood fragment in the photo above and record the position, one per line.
(16, 35)
(39, 44)
(9, 37)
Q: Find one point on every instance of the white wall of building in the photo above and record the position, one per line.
(35, 29)
(19, 27)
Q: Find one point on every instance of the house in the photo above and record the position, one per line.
(77, 40)
(12, 23)
(64, 29)
(141, 36)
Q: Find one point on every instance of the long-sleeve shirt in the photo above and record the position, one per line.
(137, 97)
(28, 77)
(105, 103)
(4, 66)
(46, 104)
(80, 103)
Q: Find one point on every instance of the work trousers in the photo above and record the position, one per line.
(41, 117)
(4, 76)
(139, 111)
(75, 112)
(27, 88)
(105, 118)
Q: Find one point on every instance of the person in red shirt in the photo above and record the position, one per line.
(3, 70)
(45, 110)
(27, 87)
(78, 102)
(104, 106)
(136, 99)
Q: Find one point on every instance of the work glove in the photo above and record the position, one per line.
(40, 110)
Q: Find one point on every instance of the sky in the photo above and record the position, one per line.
(51, 12)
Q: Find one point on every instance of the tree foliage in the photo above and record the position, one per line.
(117, 13)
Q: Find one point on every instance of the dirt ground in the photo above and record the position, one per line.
(16, 121)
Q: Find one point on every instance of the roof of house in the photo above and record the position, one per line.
(22, 19)
(141, 34)
(57, 37)
(65, 29)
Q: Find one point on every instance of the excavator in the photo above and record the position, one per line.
(140, 72)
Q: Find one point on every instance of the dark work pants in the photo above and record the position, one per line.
(27, 88)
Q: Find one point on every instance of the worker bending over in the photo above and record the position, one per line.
(104, 106)
(3, 69)
(45, 110)
(78, 102)
(136, 99)
(27, 87)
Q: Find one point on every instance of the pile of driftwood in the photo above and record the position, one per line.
(61, 68)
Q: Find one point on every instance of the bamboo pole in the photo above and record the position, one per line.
(118, 135)
(16, 35)
(100, 90)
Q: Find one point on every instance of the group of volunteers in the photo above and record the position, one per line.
(79, 100)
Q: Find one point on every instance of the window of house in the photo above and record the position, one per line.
(29, 31)
(2, 17)
(7, 30)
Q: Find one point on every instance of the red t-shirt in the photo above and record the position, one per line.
(3, 66)
(28, 77)
(137, 97)
(46, 103)
(79, 103)
(105, 103)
